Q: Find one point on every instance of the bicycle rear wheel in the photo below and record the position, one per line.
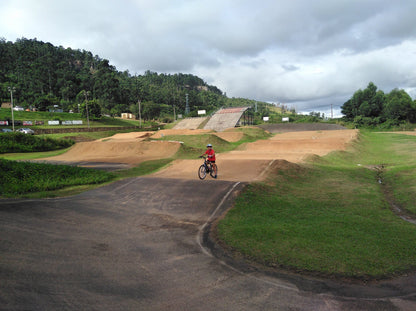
(202, 173)
(214, 170)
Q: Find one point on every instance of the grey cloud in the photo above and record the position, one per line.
(301, 51)
(288, 67)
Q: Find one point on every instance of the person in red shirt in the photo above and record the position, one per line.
(211, 158)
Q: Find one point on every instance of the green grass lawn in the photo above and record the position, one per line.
(330, 216)
(5, 113)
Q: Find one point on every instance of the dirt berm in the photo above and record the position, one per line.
(250, 162)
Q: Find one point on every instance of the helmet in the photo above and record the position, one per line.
(209, 145)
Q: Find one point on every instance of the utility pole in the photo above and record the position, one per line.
(11, 90)
(86, 104)
(174, 113)
(332, 114)
(173, 105)
(140, 113)
(187, 110)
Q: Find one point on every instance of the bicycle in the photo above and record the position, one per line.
(206, 168)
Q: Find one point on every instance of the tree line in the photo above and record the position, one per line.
(44, 76)
(372, 107)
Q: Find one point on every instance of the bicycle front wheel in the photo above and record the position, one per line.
(202, 173)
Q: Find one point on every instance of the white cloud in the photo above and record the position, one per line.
(309, 53)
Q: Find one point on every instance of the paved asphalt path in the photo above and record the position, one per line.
(137, 244)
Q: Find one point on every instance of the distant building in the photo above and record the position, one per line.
(126, 115)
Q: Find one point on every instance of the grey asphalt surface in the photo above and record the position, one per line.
(138, 244)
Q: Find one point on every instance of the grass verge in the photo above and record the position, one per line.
(18, 142)
(330, 216)
(29, 180)
(20, 178)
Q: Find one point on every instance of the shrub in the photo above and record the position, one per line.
(25, 177)
(19, 142)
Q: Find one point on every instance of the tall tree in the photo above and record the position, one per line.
(399, 106)
(367, 103)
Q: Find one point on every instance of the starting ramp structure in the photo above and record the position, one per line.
(190, 123)
(229, 117)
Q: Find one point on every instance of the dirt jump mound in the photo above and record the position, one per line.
(127, 148)
(253, 161)
(250, 162)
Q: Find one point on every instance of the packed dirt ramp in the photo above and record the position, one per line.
(249, 162)
(130, 148)
(252, 161)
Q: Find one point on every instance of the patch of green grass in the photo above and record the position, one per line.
(20, 178)
(331, 216)
(19, 142)
(252, 134)
(32, 155)
(402, 182)
(188, 152)
(5, 114)
(400, 175)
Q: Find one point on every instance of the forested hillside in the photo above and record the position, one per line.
(44, 75)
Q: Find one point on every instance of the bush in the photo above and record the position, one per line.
(19, 142)
(360, 121)
(166, 119)
(24, 177)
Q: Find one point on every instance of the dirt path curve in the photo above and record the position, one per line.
(136, 245)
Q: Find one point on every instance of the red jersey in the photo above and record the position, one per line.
(211, 154)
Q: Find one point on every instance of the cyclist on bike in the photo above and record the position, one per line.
(211, 158)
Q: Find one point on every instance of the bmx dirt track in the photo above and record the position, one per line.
(256, 158)
(138, 244)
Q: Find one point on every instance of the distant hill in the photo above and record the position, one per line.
(45, 75)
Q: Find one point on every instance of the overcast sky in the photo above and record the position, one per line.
(305, 54)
